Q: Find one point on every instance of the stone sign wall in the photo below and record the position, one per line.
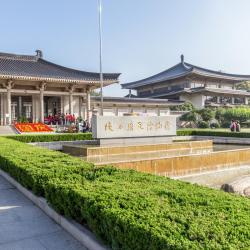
(104, 127)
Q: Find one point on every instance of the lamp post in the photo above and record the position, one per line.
(100, 52)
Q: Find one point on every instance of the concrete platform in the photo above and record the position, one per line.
(23, 226)
(7, 130)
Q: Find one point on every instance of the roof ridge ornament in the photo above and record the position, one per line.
(39, 53)
(182, 58)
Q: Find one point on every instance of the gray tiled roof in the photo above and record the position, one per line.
(183, 69)
(136, 100)
(35, 67)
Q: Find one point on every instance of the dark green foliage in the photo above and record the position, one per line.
(189, 117)
(206, 114)
(203, 124)
(187, 106)
(219, 114)
(128, 209)
(51, 137)
(214, 125)
(244, 86)
(225, 115)
(222, 115)
(240, 114)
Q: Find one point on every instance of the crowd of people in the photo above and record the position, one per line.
(68, 121)
(235, 126)
(60, 119)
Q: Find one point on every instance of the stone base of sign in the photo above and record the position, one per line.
(187, 164)
(102, 154)
(134, 141)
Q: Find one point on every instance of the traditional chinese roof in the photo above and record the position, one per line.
(184, 69)
(29, 67)
(132, 100)
(205, 91)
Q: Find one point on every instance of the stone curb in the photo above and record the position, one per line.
(79, 232)
(215, 139)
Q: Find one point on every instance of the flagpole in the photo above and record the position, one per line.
(100, 53)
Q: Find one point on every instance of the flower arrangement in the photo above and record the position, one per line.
(32, 127)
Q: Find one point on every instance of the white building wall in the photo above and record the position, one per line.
(120, 111)
(197, 100)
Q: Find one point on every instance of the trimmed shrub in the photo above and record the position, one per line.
(206, 114)
(214, 125)
(187, 106)
(240, 114)
(128, 209)
(203, 124)
(51, 137)
(189, 117)
(219, 114)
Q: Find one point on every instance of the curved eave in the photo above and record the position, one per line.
(189, 69)
(137, 85)
(223, 91)
(108, 76)
(217, 73)
(170, 93)
(237, 78)
(59, 80)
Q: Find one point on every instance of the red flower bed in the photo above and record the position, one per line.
(32, 127)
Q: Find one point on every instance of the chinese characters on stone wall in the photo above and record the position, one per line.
(137, 126)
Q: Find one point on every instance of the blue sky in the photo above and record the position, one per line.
(140, 37)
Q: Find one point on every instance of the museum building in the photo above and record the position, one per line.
(34, 88)
(186, 82)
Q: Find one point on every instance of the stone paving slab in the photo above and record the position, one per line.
(24, 226)
(5, 184)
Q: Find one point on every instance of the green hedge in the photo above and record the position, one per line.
(51, 137)
(200, 132)
(128, 209)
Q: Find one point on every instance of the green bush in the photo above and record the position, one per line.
(206, 114)
(203, 124)
(240, 114)
(189, 117)
(187, 106)
(51, 137)
(214, 125)
(219, 114)
(128, 209)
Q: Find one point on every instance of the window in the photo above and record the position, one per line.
(27, 110)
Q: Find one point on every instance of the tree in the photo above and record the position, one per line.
(189, 117)
(94, 93)
(243, 86)
(219, 114)
(206, 114)
(187, 106)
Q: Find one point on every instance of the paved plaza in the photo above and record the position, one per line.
(23, 226)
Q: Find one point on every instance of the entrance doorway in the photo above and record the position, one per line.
(52, 105)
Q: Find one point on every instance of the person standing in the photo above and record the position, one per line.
(233, 126)
(237, 126)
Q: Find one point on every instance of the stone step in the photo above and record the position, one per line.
(7, 130)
